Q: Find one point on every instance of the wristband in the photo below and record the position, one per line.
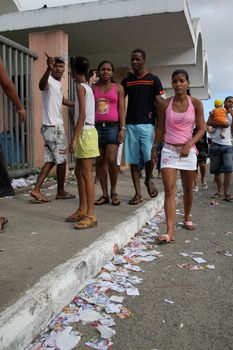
(123, 128)
(156, 146)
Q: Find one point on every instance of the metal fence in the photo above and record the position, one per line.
(16, 138)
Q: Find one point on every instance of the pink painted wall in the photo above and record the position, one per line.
(54, 43)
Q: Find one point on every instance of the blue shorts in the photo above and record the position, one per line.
(221, 160)
(108, 133)
(138, 143)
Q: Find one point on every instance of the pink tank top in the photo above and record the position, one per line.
(106, 105)
(179, 126)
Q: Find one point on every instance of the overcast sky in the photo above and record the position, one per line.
(217, 32)
(216, 22)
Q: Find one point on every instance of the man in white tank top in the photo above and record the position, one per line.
(52, 128)
(221, 153)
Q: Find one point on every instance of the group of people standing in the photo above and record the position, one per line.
(103, 123)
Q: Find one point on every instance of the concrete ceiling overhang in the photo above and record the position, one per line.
(111, 29)
(8, 6)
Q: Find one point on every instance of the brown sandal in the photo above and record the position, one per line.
(102, 200)
(151, 189)
(76, 216)
(88, 221)
(115, 199)
(3, 222)
(136, 200)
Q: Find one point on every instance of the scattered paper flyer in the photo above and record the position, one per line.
(116, 299)
(99, 343)
(106, 332)
(200, 260)
(169, 301)
(89, 315)
(132, 291)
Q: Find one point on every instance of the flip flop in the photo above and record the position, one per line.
(189, 225)
(217, 195)
(151, 189)
(165, 239)
(3, 222)
(39, 198)
(115, 199)
(102, 200)
(228, 198)
(66, 195)
(136, 200)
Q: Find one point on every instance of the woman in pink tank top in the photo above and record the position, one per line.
(110, 125)
(178, 116)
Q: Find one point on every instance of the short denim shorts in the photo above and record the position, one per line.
(221, 158)
(55, 143)
(108, 133)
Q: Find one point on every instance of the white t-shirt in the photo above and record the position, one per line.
(216, 135)
(89, 106)
(52, 103)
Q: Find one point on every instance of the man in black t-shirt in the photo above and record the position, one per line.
(144, 90)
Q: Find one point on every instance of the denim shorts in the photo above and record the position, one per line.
(54, 143)
(138, 143)
(221, 158)
(108, 133)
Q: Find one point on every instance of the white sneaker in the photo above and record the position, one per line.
(195, 188)
(204, 186)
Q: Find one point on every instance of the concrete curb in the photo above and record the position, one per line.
(23, 321)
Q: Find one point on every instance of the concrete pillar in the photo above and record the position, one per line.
(54, 43)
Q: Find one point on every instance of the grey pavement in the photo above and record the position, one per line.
(37, 239)
(44, 261)
(37, 242)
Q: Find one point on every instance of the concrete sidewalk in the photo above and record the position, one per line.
(44, 261)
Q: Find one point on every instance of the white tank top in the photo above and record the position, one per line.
(52, 103)
(89, 106)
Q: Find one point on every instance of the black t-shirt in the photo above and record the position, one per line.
(141, 94)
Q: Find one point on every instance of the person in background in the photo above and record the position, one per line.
(144, 91)
(221, 153)
(52, 129)
(9, 89)
(203, 152)
(84, 145)
(219, 115)
(178, 116)
(110, 124)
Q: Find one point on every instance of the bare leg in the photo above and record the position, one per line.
(135, 173)
(218, 181)
(81, 186)
(47, 167)
(61, 173)
(87, 178)
(187, 177)
(169, 182)
(195, 180)
(103, 176)
(203, 172)
(226, 184)
(111, 157)
(151, 189)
